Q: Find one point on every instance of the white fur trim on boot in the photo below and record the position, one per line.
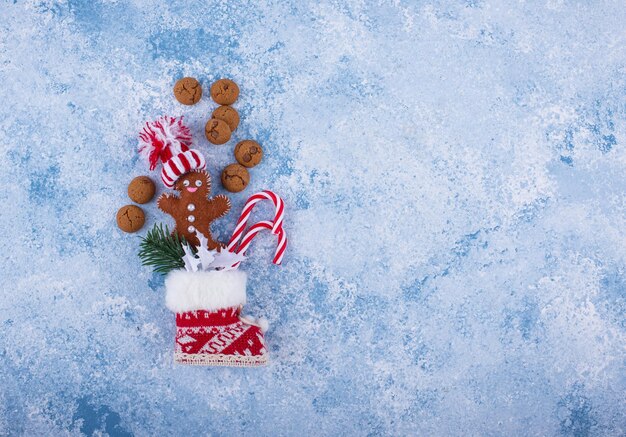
(204, 290)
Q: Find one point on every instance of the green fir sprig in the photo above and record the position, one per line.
(162, 249)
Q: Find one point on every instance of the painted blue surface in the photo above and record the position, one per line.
(454, 173)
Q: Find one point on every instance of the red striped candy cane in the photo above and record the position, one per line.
(277, 224)
(254, 230)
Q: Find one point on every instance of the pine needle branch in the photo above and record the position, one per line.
(162, 250)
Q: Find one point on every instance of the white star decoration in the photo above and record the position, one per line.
(225, 260)
(206, 256)
(206, 259)
(190, 260)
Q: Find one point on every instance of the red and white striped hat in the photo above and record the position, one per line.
(169, 140)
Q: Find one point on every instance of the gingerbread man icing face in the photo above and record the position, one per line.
(193, 184)
(193, 210)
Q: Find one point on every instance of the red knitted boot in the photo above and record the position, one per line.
(210, 330)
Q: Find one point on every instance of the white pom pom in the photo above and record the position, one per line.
(162, 133)
(247, 319)
(263, 324)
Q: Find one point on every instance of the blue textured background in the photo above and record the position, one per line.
(454, 173)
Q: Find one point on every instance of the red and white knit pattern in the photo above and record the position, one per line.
(218, 338)
(180, 164)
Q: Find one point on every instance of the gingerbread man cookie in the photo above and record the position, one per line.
(193, 210)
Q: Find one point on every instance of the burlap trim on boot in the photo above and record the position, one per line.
(220, 360)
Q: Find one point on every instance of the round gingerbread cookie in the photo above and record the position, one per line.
(228, 114)
(224, 92)
(235, 178)
(248, 153)
(130, 218)
(217, 131)
(141, 189)
(188, 91)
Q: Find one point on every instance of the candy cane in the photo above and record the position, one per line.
(277, 224)
(254, 230)
(247, 210)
